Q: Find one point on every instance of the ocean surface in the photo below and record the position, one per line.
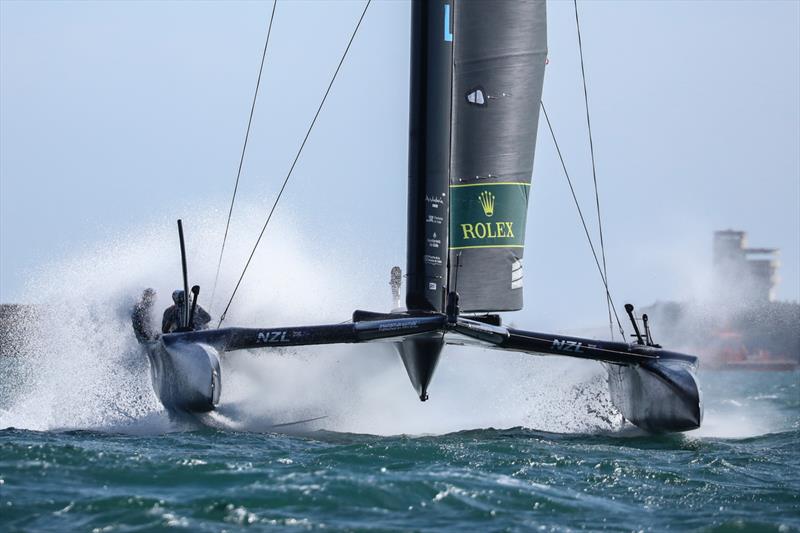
(142, 471)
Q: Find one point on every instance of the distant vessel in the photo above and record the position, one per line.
(742, 326)
(477, 71)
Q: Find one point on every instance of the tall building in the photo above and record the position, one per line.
(743, 275)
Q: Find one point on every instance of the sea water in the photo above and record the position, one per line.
(518, 443)
(741, 472)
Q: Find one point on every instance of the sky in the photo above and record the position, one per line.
(114, 115)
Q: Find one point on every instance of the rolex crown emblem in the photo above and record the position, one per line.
(487, 203)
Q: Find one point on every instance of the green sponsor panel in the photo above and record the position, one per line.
(488, 215)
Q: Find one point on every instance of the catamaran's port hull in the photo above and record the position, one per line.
(658, 397)
(186, 375)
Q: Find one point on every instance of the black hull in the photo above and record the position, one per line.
(186, 376)
(658, 397)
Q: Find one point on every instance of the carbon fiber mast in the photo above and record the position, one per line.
(428, 180)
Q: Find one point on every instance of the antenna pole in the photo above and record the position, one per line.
(629, 310)
(195, 294)
(185, 312)
(648, 337)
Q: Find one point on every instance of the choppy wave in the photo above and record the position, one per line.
(496, 479)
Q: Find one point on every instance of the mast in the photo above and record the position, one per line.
(429, 128)
(429, 153)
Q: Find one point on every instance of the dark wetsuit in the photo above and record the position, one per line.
(172, 319)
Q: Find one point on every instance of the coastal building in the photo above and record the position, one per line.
(743, 275)
(743, 326)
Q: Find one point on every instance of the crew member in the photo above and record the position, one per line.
(172, 316)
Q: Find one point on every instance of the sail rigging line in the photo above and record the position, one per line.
(583, 221)
(294, 163)
(594, 168)
(241, 158)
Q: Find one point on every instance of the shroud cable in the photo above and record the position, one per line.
(594, 172)
(583, 220)
(241, 159)
(291, 169)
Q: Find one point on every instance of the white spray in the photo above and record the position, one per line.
(84, 369)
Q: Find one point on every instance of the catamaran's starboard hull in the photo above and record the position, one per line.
(186, 375)
(659, 397)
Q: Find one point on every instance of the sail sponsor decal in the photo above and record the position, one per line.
(448, 34)
(271, 337)
(516, 273)
(397, 325)
(571, 346)
(488, 215)
(434, 241)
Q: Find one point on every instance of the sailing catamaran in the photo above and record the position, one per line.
(477, 72)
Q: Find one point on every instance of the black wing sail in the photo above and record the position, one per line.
(499, 54)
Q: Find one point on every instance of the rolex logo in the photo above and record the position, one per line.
(487, 203)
